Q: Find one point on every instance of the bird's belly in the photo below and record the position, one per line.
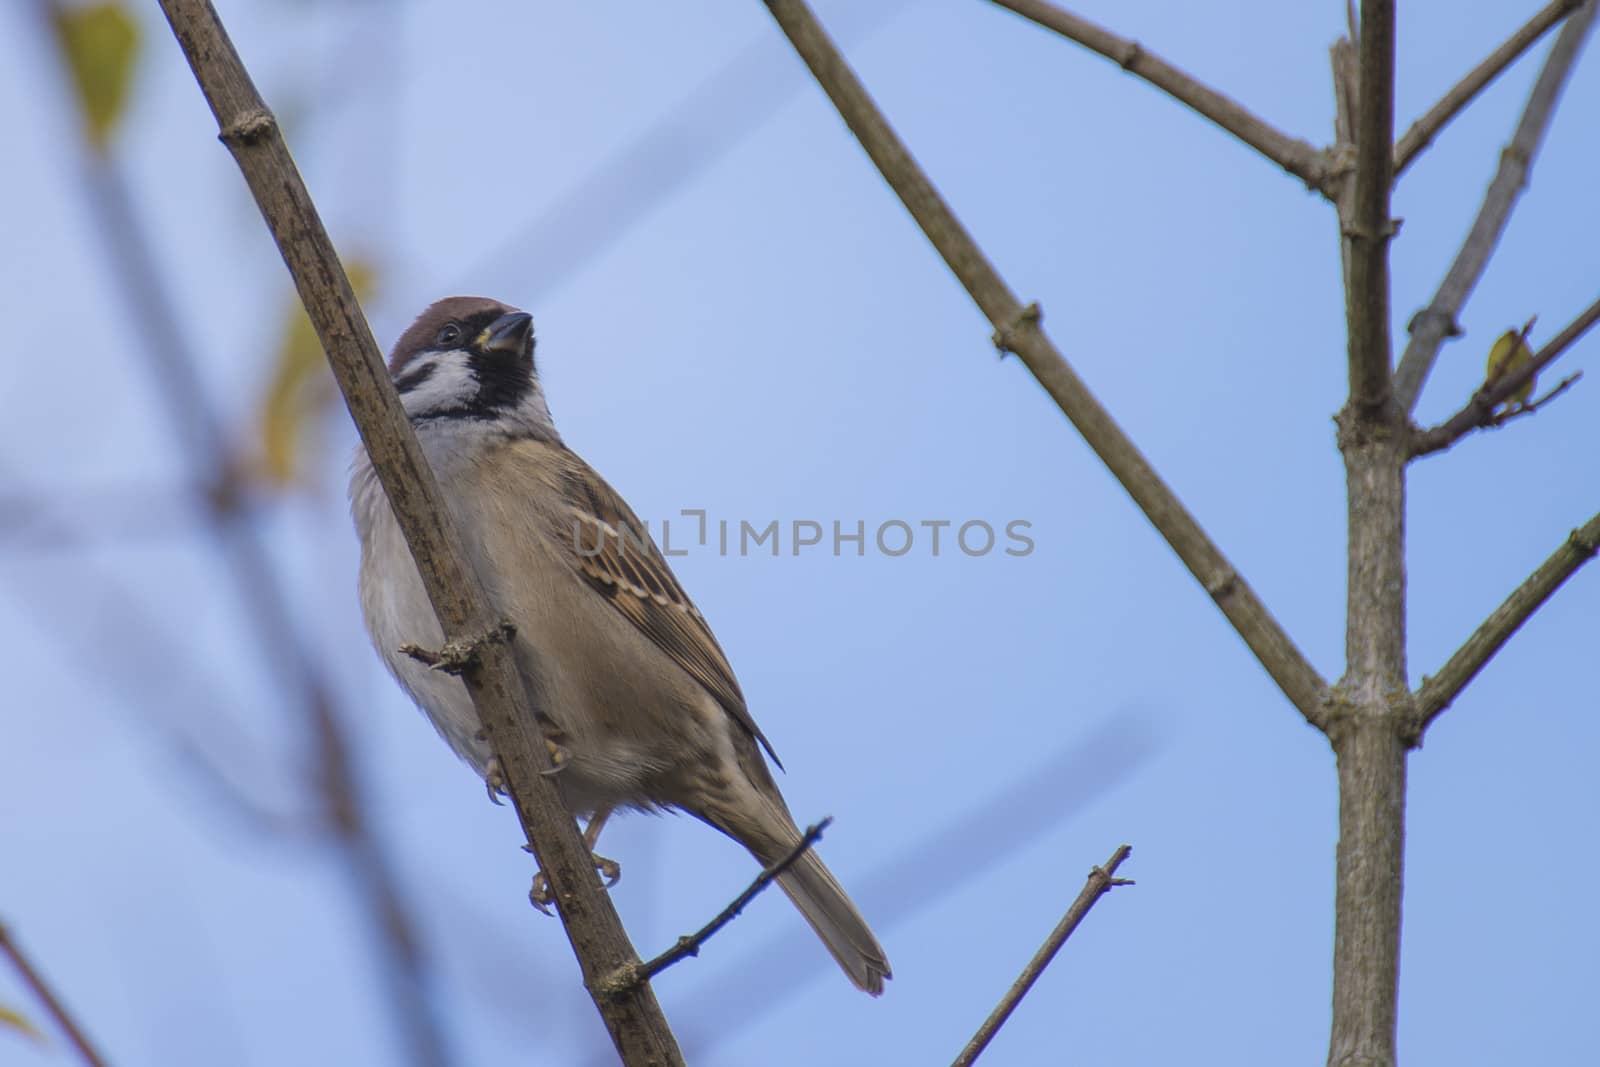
(626, 736)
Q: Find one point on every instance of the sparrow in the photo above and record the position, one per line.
(638, 703)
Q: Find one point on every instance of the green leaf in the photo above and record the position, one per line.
(100, 43)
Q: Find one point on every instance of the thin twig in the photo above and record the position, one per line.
(1300, 158)
(1437, 691)
(502, 695)
(1479, 412)
(1100, 883)
(1364, 213)
(911, 877)
(1020, 329)
(1426, 128)
(689, 945)
(46, 996)
(1435, 323)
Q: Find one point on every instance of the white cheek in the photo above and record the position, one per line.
(450, 385)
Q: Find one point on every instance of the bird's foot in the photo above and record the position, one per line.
(542, 896)
(494, 780)
(559, 756)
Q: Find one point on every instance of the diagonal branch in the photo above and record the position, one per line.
(1437, 322)
(1017, 330)
(503, 698)
(1364, 215)
(1300, 158)
(1479, 412)
(1101, 882)
(46, 996)
(1436, 692)
(1426, 128)
(174, 365)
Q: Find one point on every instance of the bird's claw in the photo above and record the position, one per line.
(542, 896)
(494, 780)
(559, 757)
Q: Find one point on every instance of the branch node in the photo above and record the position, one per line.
(1130, 55)
(252, 127)
(619, 982)
(1005, 337)
(458, 657)
(1222, 584)
(1586, 546)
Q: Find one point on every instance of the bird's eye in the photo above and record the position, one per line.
(449, 335)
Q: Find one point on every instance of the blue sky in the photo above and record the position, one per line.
(770, 338)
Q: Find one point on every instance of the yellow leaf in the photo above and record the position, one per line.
(301, 388)
(1507, 355)
(100, 43)
(19, 1022)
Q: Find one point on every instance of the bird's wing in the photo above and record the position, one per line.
(613, 551)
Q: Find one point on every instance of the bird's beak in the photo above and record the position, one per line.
(510, 333)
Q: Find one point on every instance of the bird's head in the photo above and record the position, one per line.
(470, 359)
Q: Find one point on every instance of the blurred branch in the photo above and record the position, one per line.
(1431, 326)
(1300, 158)
(502, 696)
(47, 997)
(689, 945)
(128, 638)
(177, 383)
(111, 515)
(1436, 692)
(1479, 412)
(1017, 330)
(1426, 128)
(1100, 883)
(595, 211)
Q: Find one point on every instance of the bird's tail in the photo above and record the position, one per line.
(827, 908)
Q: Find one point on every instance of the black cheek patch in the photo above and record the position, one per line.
(410, 379)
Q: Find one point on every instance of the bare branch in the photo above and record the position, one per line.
(1480, 410)
(45, 995)
(1100, 883)
(1436, 692)
(1435, 323)
(1300, 158)
(1364, 213)
(502, 696)
(1426, 128)
(1019, 330)
(689, 945)
(175, 367)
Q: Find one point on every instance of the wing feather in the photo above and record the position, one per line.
(614, 553)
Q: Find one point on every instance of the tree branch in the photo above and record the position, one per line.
(1431, 326)
(1364, 213)
(1426, 128)
(500, 695)
(1017, 330)
(1479, 412)
(1300, 158)
(1437, 692)
(689, 945)
(47, 997)
(174, 365)
(1100, 883)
